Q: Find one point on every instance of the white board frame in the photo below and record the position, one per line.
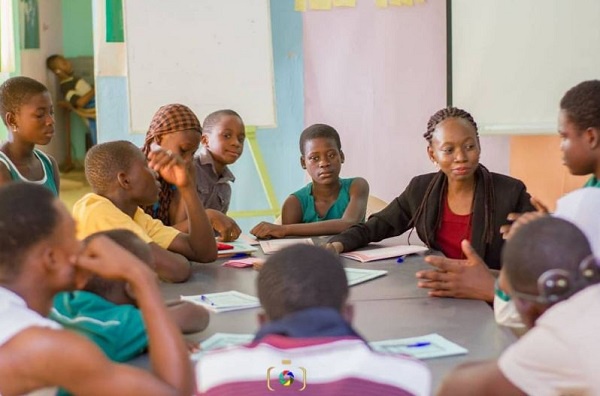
(513, 60)
(206, 54)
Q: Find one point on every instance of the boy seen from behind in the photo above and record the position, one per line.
(306, 330)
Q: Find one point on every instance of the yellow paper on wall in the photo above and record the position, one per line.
(300, 5)
(320, 4)
(401, 2)
(344, 3)
(381, 3)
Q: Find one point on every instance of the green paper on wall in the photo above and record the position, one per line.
(114, 21)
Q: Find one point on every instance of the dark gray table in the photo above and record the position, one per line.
(385, 308)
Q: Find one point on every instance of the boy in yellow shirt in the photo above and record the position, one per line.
(122, 181)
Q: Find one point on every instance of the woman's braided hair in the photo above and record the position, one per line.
(434, 121)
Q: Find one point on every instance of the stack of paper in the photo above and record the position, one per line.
(224, 301)
(274, 245)
(425, 347)
(236, 248)
(358, 275)
(380, 253)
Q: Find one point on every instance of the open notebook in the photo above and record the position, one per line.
(359, 275)
(224, 301)
(271, 246)
(373, 253)
(423, 347)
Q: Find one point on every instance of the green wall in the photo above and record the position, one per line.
(77, 28)
(77, 41)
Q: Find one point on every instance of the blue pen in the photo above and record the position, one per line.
(418, 344)
(207, 300)
(239, 255)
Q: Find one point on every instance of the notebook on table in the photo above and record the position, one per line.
(224, 301)
(372, 253)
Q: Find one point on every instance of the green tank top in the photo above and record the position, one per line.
(336, 211)
(593, 182)
(46, 181)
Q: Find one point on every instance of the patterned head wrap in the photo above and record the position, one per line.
(169, 119)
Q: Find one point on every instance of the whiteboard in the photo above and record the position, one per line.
(513, 60)
(206, 54)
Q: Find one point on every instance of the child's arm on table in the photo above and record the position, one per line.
(292, 217)
(170, 266)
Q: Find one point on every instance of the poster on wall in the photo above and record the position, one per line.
(30, 24)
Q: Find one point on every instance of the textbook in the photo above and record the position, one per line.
(424, 347)
(229, 249)
(359, 275)
(367, 254)
(274, 245)
(224, 301)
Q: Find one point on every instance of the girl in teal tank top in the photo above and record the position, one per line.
(329, 204)
(26, 109)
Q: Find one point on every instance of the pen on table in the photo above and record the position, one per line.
(207, 300)
(418, 344)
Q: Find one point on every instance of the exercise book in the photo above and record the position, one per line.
(373, 252)
(224, 301)
(424, 347)
(359, 275)
(274, 245)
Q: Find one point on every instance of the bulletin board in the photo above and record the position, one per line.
(206, 54)
(512, 60)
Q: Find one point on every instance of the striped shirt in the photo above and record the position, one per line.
(316, 366)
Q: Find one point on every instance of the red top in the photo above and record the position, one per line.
(453, 229)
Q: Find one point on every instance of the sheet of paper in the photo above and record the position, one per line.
(247, 239)
(401, 2)
(381, 3)
(271, 246)
(320, 4)
(300, 5)
(224, 301)
(344, 3)
(221, 340)
(424, 347)
(359, 275)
